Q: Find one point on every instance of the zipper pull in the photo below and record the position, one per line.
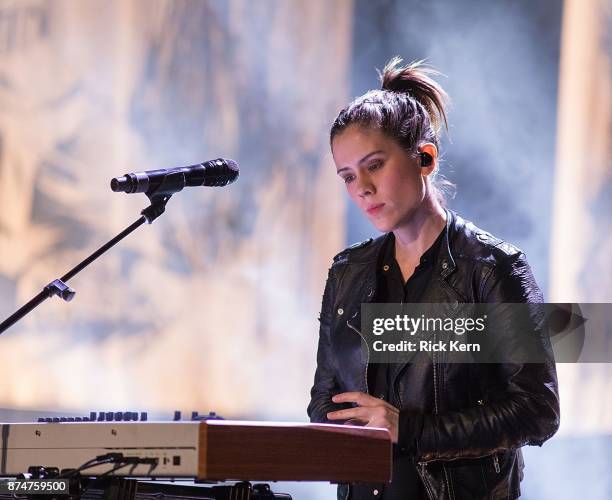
(496, 463)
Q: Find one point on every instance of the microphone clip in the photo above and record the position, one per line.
(173, 182)
(156, 208)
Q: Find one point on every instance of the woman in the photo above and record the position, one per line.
(457, 429)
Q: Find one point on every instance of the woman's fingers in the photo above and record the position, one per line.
(371, 412)
(356, 421)
(359, 412)
(366, 413)
(361, 398)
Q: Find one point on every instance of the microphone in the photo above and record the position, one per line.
(219, 172)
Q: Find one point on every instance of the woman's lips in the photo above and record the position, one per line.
(372, 209)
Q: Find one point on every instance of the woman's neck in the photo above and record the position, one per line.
(414, 238)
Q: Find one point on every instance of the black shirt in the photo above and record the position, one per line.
(392, 289)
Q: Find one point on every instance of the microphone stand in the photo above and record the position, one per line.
(173, 182)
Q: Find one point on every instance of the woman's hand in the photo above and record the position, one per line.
(371, 412)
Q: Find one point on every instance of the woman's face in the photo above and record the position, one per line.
(382, 179)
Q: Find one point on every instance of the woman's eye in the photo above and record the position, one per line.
(375, 165)
(349, 178)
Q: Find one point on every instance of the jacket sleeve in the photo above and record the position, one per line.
(524, 409)
(325, 381)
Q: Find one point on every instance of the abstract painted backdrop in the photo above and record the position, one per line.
(215, 305)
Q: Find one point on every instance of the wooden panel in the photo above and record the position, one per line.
(293, 452)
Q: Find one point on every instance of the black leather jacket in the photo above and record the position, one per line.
(462, 424)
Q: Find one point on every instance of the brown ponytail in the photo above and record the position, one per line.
(410, 108)
(413, 79)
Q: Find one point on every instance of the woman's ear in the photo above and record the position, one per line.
(426, 159)
(428, 154)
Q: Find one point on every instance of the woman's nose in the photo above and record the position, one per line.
(365, 187)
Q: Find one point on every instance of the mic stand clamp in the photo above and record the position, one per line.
(173, 182)
(156, 208)
(59, 288)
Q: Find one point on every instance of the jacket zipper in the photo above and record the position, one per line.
(365, 379)
(365, 372)
(435, 378)
(423, 465)
(495, 457)
(348, 492)
(421, 471)
(494, 454)
(435, 382)
(496, 462)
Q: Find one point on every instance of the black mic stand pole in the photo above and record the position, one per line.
(173, 183)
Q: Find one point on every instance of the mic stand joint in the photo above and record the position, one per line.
(157, 207)
(59, 288)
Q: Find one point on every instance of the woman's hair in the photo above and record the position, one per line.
(410, 108)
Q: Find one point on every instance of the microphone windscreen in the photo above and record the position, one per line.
(220, 172)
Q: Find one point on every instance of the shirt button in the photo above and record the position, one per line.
(340, 311)
(444, 265)
(375, 492)
(385, 268)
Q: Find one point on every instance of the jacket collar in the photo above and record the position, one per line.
(445, 265)
(446, 262)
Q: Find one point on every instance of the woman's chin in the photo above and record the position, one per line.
(384, 226)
